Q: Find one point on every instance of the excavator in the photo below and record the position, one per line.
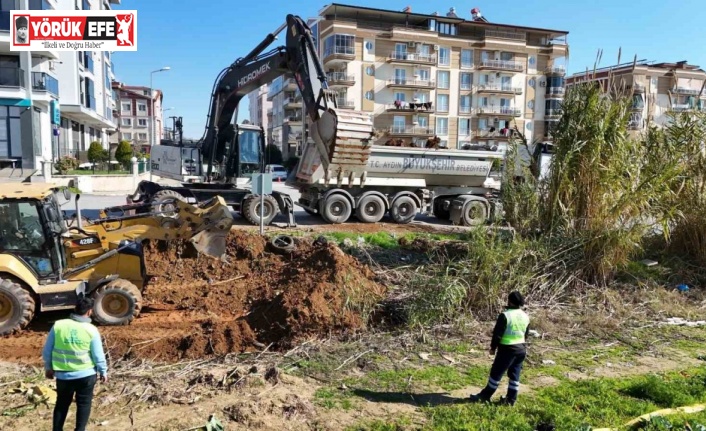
(231, 151)
(47, 263)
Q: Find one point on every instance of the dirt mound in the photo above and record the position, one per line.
(197, 306)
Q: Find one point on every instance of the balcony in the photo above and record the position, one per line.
(411, 58)
(411, 83)
(12, 77)
(495, 136)
(410, 131)
(555, 70)
(293, 103)
(345, 104)
(512, 66)
(503, 111)
(465, 110)
(516, 36)
(294, 119)
(340, 79)
(339, 53)
(681, 107)
(411, 107)
(42, 81)
(499, 89)
(555, 92)
(552, 114)
(686, 91)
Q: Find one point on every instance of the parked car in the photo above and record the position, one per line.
(279, 172)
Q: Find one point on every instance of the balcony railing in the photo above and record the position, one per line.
(557, 70)
(12, 77)
(464, 110)
(340, 50)
(421, 107)
(340, 77)
(412, 57)
(294, 119)
(42, 81)
(410, 130)
(426, 83)
(689, 91)
(345, 104)
(500, 89)
(293, 101)
(506, 35)
(549, 113)
(515, 66)
(681, 107)
(556, 91)
(492, 135)
(499, 110)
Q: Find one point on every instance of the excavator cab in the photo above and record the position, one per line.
(247, 152)
(45, 263)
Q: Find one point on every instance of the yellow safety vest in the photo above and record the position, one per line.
(72, 345)
(517, 323)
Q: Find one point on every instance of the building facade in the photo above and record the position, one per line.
(657, 88)
(133, 114)
(423, 76)
(52, 103)
(259, 106)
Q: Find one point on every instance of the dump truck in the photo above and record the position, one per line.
(47, 261)
(401, 181)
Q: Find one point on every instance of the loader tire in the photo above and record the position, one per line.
(16, 307)
(163, 202)
(370, 209)
(336, 209)
(403, 210)
(251, 209)
(117, 303)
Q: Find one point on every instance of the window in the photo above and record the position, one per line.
(86, 5)
(10, 132)
(466, 58)
(421, 97)
(484, 80)
(339, 44)
(400, 51)
(142, 136)
(126, 121)
(423, 74)
(505, 103)
(444, 56)
(369, 95)
(127, 107)
(442, 126)
(482, 124)
(400, 96)
(90, 101)
(142, 107)
(423, 121)
(398, 124)
(506, 56)
(370, 70)
(555, 81)
(506, 83)
(443, 79)
(106, 72)
(442, 102)
(446, 28)
(466, 80)
(400, 76)
(142, 122)
(464, 126)
(38, 5)
(483, 102)
(127, 136)
(465, 105)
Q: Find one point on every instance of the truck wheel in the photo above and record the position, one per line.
(16, 307)
(164, 202)
(336, 209)
(474, 213)
(403, 210)
(251, 209)
(117, 303)
(370, 209)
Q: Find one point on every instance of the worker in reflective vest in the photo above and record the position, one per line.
(73, 353)
(509, 340)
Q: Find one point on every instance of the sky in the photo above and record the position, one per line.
(198, 39)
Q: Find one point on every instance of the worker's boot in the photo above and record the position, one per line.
(482, 396)
(511, 398)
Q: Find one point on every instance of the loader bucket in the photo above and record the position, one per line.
(211, 242)
(211, 239)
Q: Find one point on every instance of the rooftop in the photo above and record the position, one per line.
(628, 66)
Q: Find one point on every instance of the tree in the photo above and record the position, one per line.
(123, 154)
(97, 154)
(273, 155)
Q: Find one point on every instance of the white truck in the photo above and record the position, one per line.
(175, 162)
(454, 185)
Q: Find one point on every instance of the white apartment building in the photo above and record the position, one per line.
(53, 103)
(259, 106)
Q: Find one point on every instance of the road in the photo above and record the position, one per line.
(90, 204)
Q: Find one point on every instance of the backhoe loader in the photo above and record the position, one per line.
(46, 264)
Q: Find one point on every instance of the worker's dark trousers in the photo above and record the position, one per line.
(508, 360)
(65, 390)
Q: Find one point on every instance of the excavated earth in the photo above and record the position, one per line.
(196, 306)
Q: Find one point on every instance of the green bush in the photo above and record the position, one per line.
(66, 164)
(97, 154)
(123, 154)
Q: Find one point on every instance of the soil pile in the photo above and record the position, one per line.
(197, 306)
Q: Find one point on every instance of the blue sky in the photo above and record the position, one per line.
(198, 39)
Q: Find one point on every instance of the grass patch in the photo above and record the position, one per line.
(332, 398)
(390, 241)
(433, 377)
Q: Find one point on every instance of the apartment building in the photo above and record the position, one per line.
(133, 114)
(657, 88)
(52, 103)
(259, 106)
(425, 75)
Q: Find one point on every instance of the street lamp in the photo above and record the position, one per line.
(152, 116)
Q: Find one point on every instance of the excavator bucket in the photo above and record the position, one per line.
(217, 221)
